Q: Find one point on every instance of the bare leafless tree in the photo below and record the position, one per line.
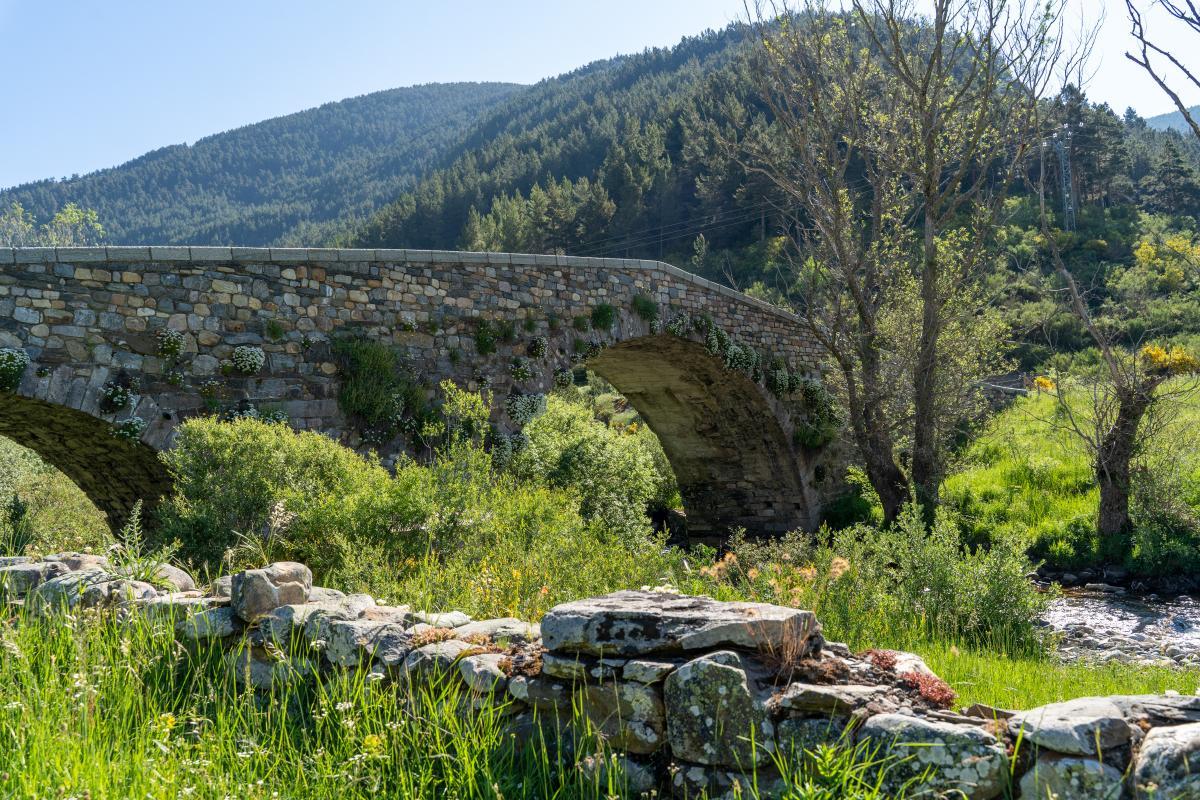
(1156, 60)
(895, 139)
(1117, 413)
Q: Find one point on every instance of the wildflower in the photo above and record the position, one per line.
(344, 706)
(838, 567)
(1043, 384)
(372, 744)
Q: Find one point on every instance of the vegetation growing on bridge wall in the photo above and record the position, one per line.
(377, 392)
(12, 366)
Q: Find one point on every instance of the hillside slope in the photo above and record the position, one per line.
(625, 136)
(289, 180)
(1173, 120)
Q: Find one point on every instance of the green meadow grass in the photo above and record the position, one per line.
(1026, 476)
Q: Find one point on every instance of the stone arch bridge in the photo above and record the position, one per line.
(106, 385)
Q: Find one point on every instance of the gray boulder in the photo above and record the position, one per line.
(482, 672)
(628, 776)
(285, 625)
(319, 594)
(252, 667)
(1168, 763)
(717, 783)
(351, 642)
(213, 623)
(447, 619)
(966, 760)
(222, 587)
(177, 579)
(66, 590)
(173, 605)
(647, 670)
(1087, 726)
(714, 716)
(630, 716)
(434, 660)
(637, 623)
(544, 695)
(803, 735)
(254, 592)
(16, 580)
(1072, 778)
(505, 629)
(77, 561)
(822, 699)
(118, 592)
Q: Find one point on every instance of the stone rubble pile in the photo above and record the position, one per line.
(691, 694)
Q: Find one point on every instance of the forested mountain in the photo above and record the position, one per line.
(288, 180)
(1173, 120)
(619, 158)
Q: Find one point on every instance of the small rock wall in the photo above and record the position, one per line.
(691, 694)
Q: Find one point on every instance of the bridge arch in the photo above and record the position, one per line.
(115, 471)
(735, 463)
(195, 328)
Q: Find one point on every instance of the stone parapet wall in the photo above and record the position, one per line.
(89, 318)
(689, 695)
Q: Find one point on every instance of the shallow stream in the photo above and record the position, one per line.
(1106, 626)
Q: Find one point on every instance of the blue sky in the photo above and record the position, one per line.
(92, 84)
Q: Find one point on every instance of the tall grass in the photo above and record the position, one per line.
(1026, 477)
(98, 708)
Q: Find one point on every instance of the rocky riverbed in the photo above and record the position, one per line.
(1103, 622)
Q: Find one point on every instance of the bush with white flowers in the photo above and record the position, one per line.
(170, 344)
(523, 408)
(520, 369)
(129, 429)
(248, 359)
(114, 396)
(12, 366)
(538, 346)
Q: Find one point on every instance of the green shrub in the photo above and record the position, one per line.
(375, 390)
(603, 317)
(485, 338)
(229, 477)
(645, 308)
(893, 586)
(615, 474)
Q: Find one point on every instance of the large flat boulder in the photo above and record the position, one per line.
(638, 623)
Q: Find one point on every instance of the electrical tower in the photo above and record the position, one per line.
(1064, 170)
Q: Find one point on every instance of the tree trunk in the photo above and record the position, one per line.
(1113, 460)
(924, 459)
(873, 439)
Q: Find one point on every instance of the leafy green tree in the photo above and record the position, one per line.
(1173, 186)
